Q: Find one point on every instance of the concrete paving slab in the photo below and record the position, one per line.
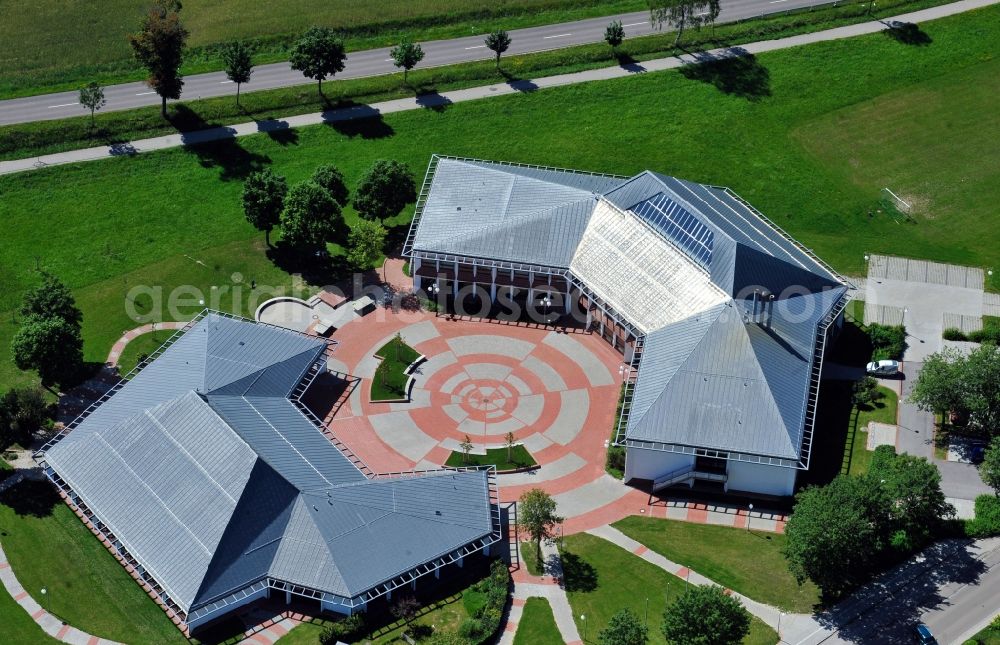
(592, 495)
(456, 412)
(419, 398)
(483, 344)
(592, 367)
(472, 427)
(434, 363)
(518, 384)
(487, 371)
(366, 367)
(575, 404)
(529, 408)
(398, 430)
(881, 434)
(419, 332)
(548, 376)
(565, 465)
(500, 428)
(536, 443)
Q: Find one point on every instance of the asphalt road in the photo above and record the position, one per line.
(372, 62)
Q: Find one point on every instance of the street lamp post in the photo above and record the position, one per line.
(547, 301)
(583, 617)
(749, 513)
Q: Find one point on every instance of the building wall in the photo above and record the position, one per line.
(641, 463)
(759, 478)
(228, 608)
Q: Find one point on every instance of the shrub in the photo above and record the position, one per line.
(888, 341)
(475, 601)
(348, 629)
(985, 335)
(987, 520)
(954, 333)
(471, 629)
(616, 459)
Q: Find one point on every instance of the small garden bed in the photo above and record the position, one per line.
(519, 459)
(857, 457)
(392, 375)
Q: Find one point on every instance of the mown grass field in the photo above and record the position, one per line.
(174, 218)
(749, 562)
(883, 410)
(520, 458)
(537, 625)
(602, 578)
(50, 44)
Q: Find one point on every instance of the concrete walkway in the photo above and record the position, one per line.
(549, 587)
(129, 336)
(475, 93)
(51, 625)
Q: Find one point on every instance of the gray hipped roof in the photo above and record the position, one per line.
(213, 479)
(681, 262)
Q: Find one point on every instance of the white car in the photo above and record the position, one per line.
(883, 368)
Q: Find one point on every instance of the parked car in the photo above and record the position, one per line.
(924, 635)
(883, 368)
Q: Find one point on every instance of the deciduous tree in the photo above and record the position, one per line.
(159, 47)
(614, 35)
(676, 13)
(498, 42)
(318, 54)
(384, 190)
(624, 628)
(536, 515)
(913, 486)
(263, 200)
(705, 615)
(22, 413)
(330, 178)
(989, 470)
(865, 391)
(406, 55)
(92, 98)
(466, 447)
(51, 299)
(508, 440)
(311, 217)
(237, 56)
(967, 385)
(365, 243)
(50, 345)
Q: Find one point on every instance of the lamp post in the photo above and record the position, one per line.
(583, 617)
(749, 512)
(547, 301)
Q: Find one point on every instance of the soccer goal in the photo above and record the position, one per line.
(902, 205)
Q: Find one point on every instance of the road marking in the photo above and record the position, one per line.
(63, 105)
(556, 36)
(476, 47)
(635, 24)
(146, 93)
(777, 1)
(224, 82)
(390, 60)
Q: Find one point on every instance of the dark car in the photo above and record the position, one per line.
(924, 635)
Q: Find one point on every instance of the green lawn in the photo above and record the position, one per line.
(174, 217)
(602, 578)
(858, 457)
(389, 382)
(18, 627)
(537, 625)
(519, 458)
(142, 346)
(530, 559)
(749, 562)
(49, 547)
(989, 636)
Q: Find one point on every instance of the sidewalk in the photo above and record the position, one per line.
(475, 93)
(527, 586)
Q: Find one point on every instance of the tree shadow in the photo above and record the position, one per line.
(323, 269)
(907, 33)
(629, 64)
(578, 574)
(736, 71)
(358, 120)
(432, 100)
(278, 131)
(31, 497)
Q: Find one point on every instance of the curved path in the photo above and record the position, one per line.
(116, 350)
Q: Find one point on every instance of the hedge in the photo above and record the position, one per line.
(987, 520)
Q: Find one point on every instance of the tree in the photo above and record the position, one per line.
(263, 200)
(624, 628)
(92, 98)
(237, 56)
(406, 55)
(713, 11)
(22, 413)
(466, 447)
(498, 42)
(938, 385)
(405, 609)
(536, 515)
(676, 13)
(836, 532)
(968, 386)
(159, 47)
(330, 178)
(318, 54)
(51, 299)
(989, 470)
(913, 486)
(508, 440)
(365, 243)
(705, 615)
(50, 345)
(384, 190)
(614, 35)
(311, 218)
(865, 391)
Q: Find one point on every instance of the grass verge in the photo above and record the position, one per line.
(519, 458)
(48, 547)
(45, 137)
(602, 578)
(988, 636)
(389, 382)
(529, 558)
(537, 625)
(749, 562)
(140, 347)
(883, 410)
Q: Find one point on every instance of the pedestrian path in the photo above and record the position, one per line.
(50, 624)
(437, 101)
(129, 336)
(549, 587)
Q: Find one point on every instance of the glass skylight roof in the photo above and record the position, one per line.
(679, 226)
